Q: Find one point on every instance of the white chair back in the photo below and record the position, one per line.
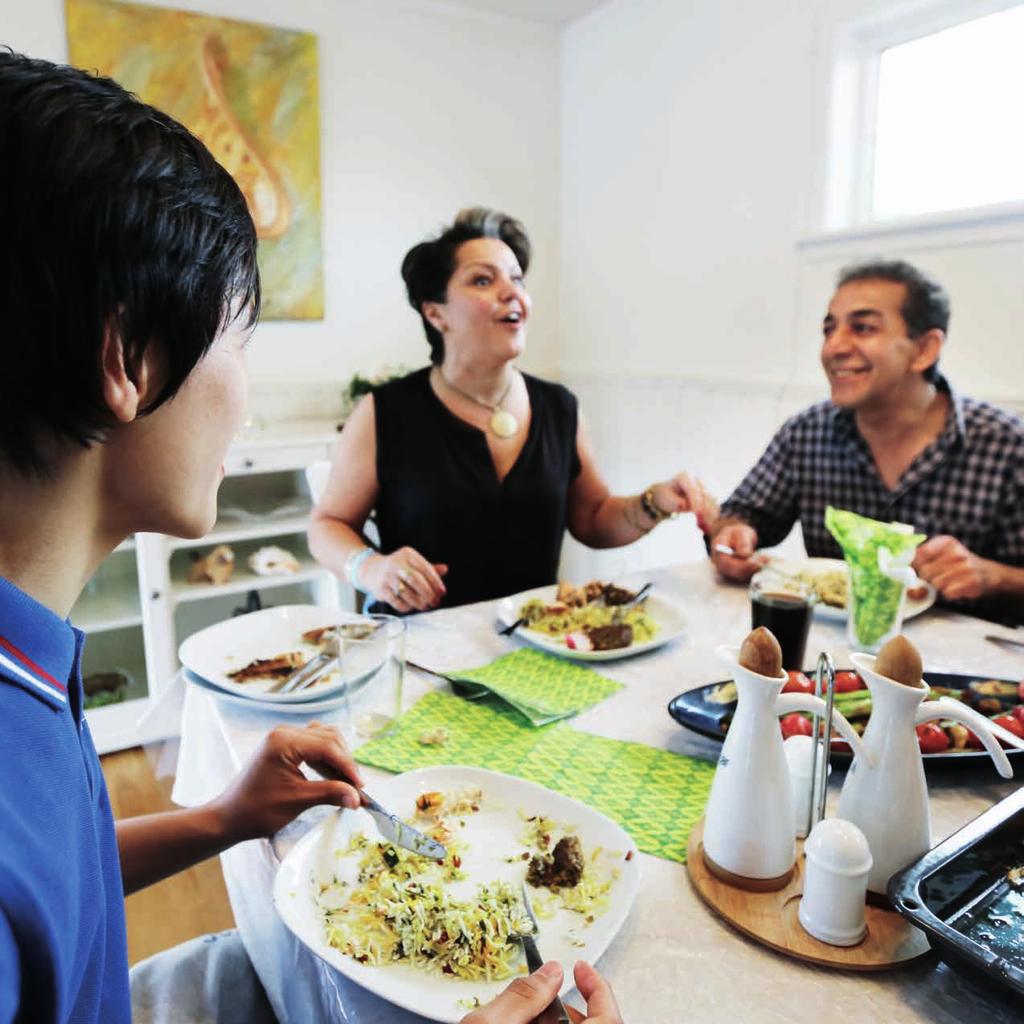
(316, 477)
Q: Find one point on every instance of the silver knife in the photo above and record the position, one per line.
(394, 830)
(1012, 641)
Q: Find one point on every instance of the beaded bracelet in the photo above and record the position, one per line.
(352, 567)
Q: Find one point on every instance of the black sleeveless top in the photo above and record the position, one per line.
(439, 492)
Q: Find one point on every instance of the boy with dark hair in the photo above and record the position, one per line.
(129, 287)
(895, 442)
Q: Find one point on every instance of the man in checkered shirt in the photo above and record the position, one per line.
(894, 443)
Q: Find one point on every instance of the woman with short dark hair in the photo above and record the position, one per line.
(474, 468)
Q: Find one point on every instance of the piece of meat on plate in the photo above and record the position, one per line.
(317, 636)
(278, 667)
(610, 638)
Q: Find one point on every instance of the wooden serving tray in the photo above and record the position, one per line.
(771, 919)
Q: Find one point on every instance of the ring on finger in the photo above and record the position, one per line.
(404, 575)
(399, 587)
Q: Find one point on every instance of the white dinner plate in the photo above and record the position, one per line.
(492, 835)
(313, 706)
(227, 646)
(671, 623)
(912, 607)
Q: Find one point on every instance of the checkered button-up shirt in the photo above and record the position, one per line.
(968, 483)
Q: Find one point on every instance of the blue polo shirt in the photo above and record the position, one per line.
(63, 949)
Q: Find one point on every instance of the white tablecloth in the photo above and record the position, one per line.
(673, 961)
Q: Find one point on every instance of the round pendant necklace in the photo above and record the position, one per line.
(502, 422)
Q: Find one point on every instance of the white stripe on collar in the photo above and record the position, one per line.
(14, 667)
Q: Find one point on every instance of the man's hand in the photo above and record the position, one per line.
(272, 790)
(525, 997)
(685, 493)
(522, 999)
(601, 1005)
(953, 570)
(742, 538)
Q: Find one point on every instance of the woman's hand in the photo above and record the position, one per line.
(685, 493)
(271, 790)
(405, 579)
(525, 997)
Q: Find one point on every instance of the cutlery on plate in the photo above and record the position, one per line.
(639, 596)
(390, 826)
(304, 677)
(555, 1012)
(509, 630)
(995, 638)
(329, 658)
(395, 831)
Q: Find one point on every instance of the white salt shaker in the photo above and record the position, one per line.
(835, 882)
(799, 759)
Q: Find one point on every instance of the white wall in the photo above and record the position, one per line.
(424, 109)
(693, 153)
(668, 157)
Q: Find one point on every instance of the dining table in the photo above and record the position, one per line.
(673, 960)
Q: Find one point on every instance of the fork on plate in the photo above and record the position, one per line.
(555, 1012)
(304, 677)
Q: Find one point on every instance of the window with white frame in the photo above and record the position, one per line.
(927, 113)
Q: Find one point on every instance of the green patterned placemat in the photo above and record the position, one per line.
(540, 686)
(655, 795)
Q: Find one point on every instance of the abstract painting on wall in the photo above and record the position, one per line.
(250, 93)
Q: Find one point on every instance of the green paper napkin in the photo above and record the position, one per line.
(541, 687)
(654, 794)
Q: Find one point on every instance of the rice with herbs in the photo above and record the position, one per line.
(400, 912)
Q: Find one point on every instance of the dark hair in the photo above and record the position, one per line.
(112, 213)
(925, 304)
(428, 267)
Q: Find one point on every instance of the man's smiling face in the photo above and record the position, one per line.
(866, 352)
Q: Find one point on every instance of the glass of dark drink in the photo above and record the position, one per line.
(784, 605)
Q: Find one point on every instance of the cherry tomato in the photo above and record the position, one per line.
(797, 683)
(1011, 724)
(847, 682)
(932, 738)
(794, 725)
(973, 742)
(1018, 713)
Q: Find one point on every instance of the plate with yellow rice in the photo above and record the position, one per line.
(578, 622)
(435, 937)
(830, 579)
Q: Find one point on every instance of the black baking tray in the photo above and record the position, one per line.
(962, 896)
(697, 711)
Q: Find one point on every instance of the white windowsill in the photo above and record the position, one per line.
(1004, 221)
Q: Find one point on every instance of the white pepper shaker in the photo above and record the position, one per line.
(800, 752)
(835, 882)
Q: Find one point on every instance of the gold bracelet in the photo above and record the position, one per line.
(650, 506)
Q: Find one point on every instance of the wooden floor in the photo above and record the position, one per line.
(192, 903)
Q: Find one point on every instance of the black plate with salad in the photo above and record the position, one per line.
(708, 710)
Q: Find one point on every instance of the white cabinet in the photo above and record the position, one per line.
(139, 606)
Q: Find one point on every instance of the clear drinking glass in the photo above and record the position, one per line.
(372, 663)
(784, 605)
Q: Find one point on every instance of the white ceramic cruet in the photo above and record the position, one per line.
(749, 836)
(885, 793)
